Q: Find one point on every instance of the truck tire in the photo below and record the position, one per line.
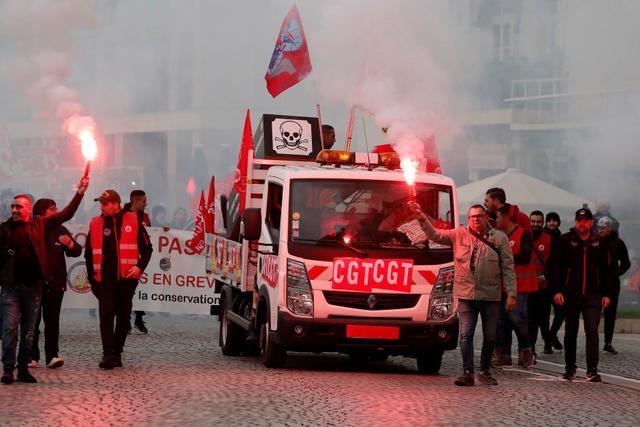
(230, 336)
(271, 353)
(429, 362)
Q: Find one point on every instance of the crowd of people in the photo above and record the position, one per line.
(33, 274)
(512, 269)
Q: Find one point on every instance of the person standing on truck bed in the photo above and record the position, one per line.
(482, 261)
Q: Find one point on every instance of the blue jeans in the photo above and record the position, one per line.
(514, 321)
(20, 305)
(468, 311)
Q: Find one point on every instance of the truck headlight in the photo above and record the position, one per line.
(299, 295)
(441, 304)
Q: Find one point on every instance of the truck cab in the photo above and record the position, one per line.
(335, 262)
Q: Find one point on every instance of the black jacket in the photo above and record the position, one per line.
(581, 267)
(57, 265)
(618, 257)
(39, 226)
(109, 250)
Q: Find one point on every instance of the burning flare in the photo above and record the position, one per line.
(409, 167)
(88, 144)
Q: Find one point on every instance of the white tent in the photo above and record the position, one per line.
(525, 191)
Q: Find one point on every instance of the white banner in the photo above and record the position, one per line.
(174, 281)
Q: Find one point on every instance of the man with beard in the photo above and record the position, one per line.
(582, 282)
(539, 304)
(620, 263)
(495, 198)
(483, 263)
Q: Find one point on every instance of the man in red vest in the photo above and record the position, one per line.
(117, 251)
(539, 308)
(521, 244)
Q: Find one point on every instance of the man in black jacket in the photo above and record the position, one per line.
(620, 263)
(117, 251)
(23, 268)
(60, 243)
(552, 226)
(582, 283)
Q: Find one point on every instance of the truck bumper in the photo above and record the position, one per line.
(319, 335)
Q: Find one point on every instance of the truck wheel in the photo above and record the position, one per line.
(429, 362)
(230, 336)
(271, 353)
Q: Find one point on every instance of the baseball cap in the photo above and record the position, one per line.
(108, 196)
(605, 221)
(583, 213)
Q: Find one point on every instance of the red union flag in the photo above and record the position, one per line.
(364, 274)
(197, 241)
(240, 179)
(290, 62)
(209, 218)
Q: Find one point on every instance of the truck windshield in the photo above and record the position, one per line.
(365, 214)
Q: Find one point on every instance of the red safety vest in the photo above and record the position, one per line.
(127, 244)
(526, 276)
(541, 253)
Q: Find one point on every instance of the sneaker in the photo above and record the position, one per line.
(33, 364)
(503, 361)
(465, 380)
(485, 378)
(555, 342)
(141, 327)
(547, 348)
(569, 375)
(26, 377)
(56, 362)
(594, 377)
(609, 349)
(7, 378)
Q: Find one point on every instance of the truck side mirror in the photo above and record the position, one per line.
(251, 224)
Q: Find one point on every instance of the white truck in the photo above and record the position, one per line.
(326, 257)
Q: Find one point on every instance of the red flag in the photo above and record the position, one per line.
(431, 155)
(290, 62)
(197, 241)
(240, 179)
(209, 218)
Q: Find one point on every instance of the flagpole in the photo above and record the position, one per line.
(352, 115)
(320, 123)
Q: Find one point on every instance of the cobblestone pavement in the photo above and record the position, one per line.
(177, 375)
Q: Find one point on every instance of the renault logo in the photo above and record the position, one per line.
(372, 301)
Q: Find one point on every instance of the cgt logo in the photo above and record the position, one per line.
(359, 274)
(77, 278)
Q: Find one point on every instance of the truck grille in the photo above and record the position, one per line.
(366, 301)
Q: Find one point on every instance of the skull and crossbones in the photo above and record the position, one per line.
(291, 133)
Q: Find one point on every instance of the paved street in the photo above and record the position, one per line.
(177, 375)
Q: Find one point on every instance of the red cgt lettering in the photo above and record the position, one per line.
(363, 275)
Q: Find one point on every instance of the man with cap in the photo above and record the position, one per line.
(620, 263)
(117, 251)
(23, 270)
(582, 282)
